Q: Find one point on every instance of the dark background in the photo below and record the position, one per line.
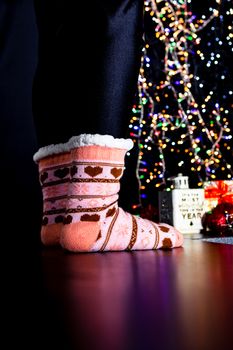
(19, 182)
(28, 314)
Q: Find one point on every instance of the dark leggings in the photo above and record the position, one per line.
(87, 69)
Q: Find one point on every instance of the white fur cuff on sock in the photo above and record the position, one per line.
(100, 140)
(83, 140)
(50, 150)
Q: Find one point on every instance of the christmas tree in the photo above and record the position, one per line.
(182, 116)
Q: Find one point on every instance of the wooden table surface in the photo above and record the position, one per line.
(177, 299)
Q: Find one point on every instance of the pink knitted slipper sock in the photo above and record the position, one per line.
(54, 175)
(94, 222)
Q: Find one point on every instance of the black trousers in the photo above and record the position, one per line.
(87, 69)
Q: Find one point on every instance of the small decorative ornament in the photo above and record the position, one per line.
(183, 207)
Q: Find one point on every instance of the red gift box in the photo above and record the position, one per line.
(217, 192)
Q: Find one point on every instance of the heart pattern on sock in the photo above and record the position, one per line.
(93, 171)
(167, 243)
(116, 172)
(90, 217)
(61, 172)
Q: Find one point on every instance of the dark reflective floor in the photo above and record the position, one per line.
(178, 299)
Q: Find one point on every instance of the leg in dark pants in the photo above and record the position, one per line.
(87, 73)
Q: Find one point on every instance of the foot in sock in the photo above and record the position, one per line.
(54, 175)
(93, 221)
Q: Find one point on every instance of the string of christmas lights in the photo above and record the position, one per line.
(179, 121)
